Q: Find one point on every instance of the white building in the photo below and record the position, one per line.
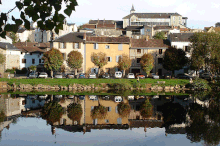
(24, 34)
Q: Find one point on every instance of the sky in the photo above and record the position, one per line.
(200, 14)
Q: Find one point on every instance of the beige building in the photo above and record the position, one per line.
(155, 47)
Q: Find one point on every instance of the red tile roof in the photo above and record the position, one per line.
(151, 43)
(31, 47)
(94, 39)
(91, 26)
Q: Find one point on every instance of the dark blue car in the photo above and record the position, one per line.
(82, 76)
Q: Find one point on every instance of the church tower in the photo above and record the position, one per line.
(132, 9)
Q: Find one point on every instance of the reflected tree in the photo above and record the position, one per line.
(74, 111)
(2, 116)
(146, 109)
(124, 109)
(99, 112)
(52, 112)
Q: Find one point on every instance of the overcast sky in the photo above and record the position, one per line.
(200, 14)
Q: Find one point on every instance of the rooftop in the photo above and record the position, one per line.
(95, 39)
(152, 15)
(8, 46)
(72, 37)
(180, 37)
(151, 43)
(32, 47)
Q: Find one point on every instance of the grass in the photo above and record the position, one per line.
(66, 82)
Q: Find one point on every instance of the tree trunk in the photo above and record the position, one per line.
(123, 73)
(75, 72)
(51, 73)
(99, 71)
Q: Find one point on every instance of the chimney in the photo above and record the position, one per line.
(147, 37)
(84, 36)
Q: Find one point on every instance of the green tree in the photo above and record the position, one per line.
(2, 58)
(159, 35)
(99, 59)
(146, 109)
(124, 63)
(33, 68)
(53, 59)
(75, 60)
(2, 116)
(14, 37)
(174, 59)
(124, 109)
(99, 112)
(52, 112)
(47, 14)
(147, 63)
(74, 111)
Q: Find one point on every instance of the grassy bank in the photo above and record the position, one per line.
(96, 82)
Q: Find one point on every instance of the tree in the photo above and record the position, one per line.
(124, 109)
(52, 112)
(99, 59)
(99, 112)
(75, 60)
(206, 48)
(147, 63)
(2, 58)
(74, 111)
(2, 116)
(124, 63)
(53, 59)
(174, 59)
(33, 68)
(14, 37)
(159, 35)
(47, 14)
(146, 109)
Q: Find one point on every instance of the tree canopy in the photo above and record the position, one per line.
(99, 112)
(47, 14)
(174, 59)
(147, 63)
(33, 68)
(2, 58)
(146, 109)
(124, 63)
(99, 59)
(74, 111)
(75, 60)
(159, 35)
(124, 109)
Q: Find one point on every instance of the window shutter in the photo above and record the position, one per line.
(120, 47)
(116, 58)
(95, 121)
(110, 108)
(97, 46)
(79, 45)
(119, 121)
(110, 59)
(73, 45)
(116, 109)
(92, 107)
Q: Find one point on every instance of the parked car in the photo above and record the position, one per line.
(130, 76)
(167, 76)
(131, 97)
(81, 97)
(58, 75)
(92, 75)
(43, 75)
(70, 76)
(183, 76)
(82, 76)
(118, 74)
(154, 76)
(205, 76)
(141, 76)
(93, 97)
(118, 99)
(106, 76)
(33, 75)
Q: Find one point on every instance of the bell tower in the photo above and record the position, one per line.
(132, 9)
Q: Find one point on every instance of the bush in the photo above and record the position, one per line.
(199, 84)
(12, 71)
(121, 86)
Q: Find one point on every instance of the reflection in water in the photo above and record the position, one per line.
(198, 119)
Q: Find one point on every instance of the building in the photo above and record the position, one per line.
(114, 47)
(151, 19)
(139, 32)
(12, 55)
(155, 47)
(31, 54)
(24, 35)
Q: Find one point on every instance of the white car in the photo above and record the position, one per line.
(93, 97)
(118, 99)
(131, 97)
(154, 76)
(92, 75)
(118, 74)
(58, 76)
(130, 76)
(43, 75)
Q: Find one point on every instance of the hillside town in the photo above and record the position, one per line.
(135, 35)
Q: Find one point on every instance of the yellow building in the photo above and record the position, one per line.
(112, 46)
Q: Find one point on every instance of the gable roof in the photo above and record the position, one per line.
(32, 47)
(71, 37)
(151, 15)
(95, 39)
(162, 27)
(180, 37)
(91, 26)
(8, 46)
(151, 43)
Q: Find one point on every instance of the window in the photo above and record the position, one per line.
(33, 61)
(138, 60)
(23, 60)
(39, 60)
(117, 58)
(96, 46)
(62, 45)
(107, 47)
(160, 51)
(186, 48)
(21, 52)
(109, 109)
(23, 102)
(76, 45)
(106, 121)
(138, 51)
(109, 59)
(147, 30)
(160, 60)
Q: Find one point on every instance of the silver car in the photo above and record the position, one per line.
(92, 75)
(58, 76)
(33, 75)
(43, 75)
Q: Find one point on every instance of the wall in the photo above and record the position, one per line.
(108, 32)
(176, 20)
(29, 58)
(112, 52)
(125, 23)
(12, 59)
(6, 40)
